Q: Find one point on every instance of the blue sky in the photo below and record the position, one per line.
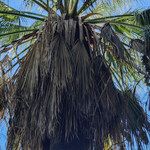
(3, 136)
(18, 4)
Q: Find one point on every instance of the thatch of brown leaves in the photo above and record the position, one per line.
(65, 96)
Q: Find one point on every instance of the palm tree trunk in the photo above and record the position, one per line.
(75, 144)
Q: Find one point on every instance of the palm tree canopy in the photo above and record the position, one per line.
(69, 77)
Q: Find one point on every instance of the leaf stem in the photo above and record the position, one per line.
(15, 32)
(21, 14)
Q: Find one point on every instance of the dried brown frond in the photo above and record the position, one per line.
(65, 96)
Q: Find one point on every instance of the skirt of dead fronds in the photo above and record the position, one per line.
(65, 96)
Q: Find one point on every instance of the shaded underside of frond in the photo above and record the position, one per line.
(65, 95)
(143, 19)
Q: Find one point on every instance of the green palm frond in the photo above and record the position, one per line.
(24, 14)
(10, 26)
(5, 7)
(40, 3)
(86, 5)
(12, 32)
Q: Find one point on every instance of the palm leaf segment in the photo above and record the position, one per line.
(143, 19)
(72, 78)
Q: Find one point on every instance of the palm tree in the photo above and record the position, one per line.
(71, 81)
